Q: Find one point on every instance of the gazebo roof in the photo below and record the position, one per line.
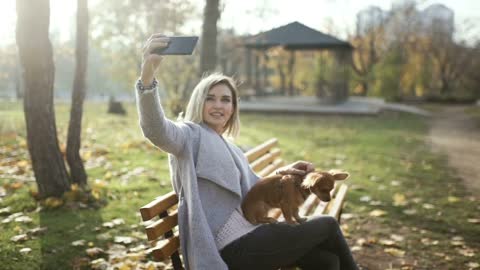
(295, 36)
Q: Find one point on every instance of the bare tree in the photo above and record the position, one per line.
(208, 54)
(369, 33)
(77, 170)
(35, 51)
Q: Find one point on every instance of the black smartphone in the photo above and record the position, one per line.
(178, 45)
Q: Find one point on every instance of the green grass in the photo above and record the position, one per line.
(385, 155)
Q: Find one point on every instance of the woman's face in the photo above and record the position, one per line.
(218, 107)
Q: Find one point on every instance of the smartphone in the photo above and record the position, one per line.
(178, 45)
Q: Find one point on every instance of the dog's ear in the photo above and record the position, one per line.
(339, 175)
(310, 180)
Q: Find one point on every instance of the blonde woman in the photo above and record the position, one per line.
(211, 176)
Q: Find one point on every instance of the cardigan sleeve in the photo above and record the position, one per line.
(156, 127)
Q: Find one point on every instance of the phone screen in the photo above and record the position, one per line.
(178, 45)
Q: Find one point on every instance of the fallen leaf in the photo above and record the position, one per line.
(94, 252)
(395, 252)
(16, 185)
(108, 225)
(138, 256)
(387, 242)
(12, 217)
(410, 212)
(467, 252)
(79, 243)
(124, 239)
(395, 183)
(356, 248)
(25, 250)
(397, 237)
(399, 199)
(37, 231)
(473, 265)
(19, 238)
(23, 219)
(118, 221)
(346, 216)
(453, 199)
(139, 248)
(53, 202)
(472, 220)
(377, 213)
(428, 206)
(365, 198)
(104, 236)
(361, 241)
(457, 243)
(99, 264)
(5, 211)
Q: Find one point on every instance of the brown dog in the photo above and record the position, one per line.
(287, 192)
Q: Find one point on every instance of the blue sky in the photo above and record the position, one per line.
(323, 15)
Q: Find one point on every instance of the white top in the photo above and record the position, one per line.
(235, 227)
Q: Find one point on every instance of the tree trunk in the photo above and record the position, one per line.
(77, 170)
(35, 51)
(208, 53)
(18, 80)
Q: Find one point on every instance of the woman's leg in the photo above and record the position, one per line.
(271, 246)
(318, 258)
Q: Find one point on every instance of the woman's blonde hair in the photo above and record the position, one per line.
(194, 112)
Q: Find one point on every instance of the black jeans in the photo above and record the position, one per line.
(317, 243)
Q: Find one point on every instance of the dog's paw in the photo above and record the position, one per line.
(301, 220)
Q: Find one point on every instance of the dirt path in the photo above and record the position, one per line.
(455, 133)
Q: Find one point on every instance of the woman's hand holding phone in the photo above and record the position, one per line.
(151, 61)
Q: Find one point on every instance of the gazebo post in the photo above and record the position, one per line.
(265, 69)
(257, 84)
(248, 66)
(291, 63)
(340, 80)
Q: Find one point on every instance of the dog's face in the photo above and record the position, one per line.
(321, 183)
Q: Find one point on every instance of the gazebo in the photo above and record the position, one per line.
(297, 36)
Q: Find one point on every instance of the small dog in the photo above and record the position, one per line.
(287, 192)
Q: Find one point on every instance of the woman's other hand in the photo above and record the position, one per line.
(151, 61)
(299, 167)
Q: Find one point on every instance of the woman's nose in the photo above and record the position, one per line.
(217, 104)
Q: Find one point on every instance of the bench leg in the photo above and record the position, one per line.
(176, 262)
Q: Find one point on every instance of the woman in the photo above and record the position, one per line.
(211, 176)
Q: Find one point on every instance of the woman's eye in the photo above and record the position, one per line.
(226, 100)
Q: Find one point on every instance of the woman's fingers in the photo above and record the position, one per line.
(155, 44)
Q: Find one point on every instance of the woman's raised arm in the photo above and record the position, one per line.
(161, 131)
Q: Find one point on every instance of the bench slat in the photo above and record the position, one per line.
(260, 150)
(160, 227)
(264, 160)
(308, 205)
(159, 205)
(336, 207)
(166, 248)
(277, 163)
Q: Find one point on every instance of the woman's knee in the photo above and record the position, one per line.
(328, 221)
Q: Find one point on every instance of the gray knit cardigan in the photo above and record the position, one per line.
(204, 169)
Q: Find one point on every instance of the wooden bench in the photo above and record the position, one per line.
(161, 218)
